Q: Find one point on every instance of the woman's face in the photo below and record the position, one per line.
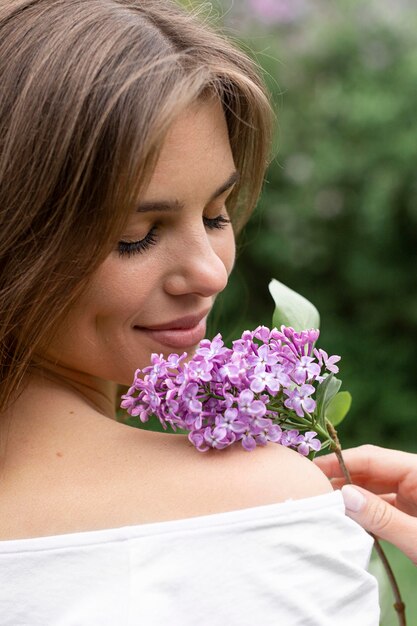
(154, 291)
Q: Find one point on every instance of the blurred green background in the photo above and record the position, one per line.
(337, 220)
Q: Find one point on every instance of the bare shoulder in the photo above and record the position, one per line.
(122, 476)
(273, 473)
(235, 478)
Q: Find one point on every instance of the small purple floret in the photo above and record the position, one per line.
(222, 395)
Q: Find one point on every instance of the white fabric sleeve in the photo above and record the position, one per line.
(297, 563)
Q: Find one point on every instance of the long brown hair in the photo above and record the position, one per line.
(89, 89)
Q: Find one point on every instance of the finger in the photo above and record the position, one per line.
(337, 483)
(382, 519)
(389, 467)
(390, 498)
(329, 464)
(376, 486)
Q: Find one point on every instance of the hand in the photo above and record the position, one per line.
(392, 514)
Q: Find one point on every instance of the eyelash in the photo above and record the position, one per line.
(218, 222)
(129, 248)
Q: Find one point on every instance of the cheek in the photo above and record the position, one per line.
(115, 295)
(119, 291)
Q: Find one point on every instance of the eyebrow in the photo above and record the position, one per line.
(164, 205)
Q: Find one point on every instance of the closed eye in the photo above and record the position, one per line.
(218, 222)
(129, 248)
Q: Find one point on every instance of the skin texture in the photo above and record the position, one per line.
(385, 501)
(67, 462)
(178, 276)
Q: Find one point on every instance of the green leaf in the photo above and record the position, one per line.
(152, 424)
(292, 309)
(325, 393)
(338, 407)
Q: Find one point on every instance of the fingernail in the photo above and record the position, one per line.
(354, 499)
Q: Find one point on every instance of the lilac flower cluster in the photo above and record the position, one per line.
(255, 392)
(278, 11)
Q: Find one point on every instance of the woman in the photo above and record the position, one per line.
(134, 142)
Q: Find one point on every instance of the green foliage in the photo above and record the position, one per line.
(338, 217)
(326, 392)
(292, 309)
(338, 407)
(152, 424)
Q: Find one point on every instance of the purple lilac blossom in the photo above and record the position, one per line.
(329, 362)
(222, 395)
(277, 11)
(310, 443)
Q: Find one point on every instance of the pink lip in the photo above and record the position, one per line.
(180, 333)
(189, 321)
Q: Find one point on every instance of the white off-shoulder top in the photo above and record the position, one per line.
(295, 563)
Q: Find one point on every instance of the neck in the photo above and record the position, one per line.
(78, 387)
(56, 407)
(54, 401)
(50, 389)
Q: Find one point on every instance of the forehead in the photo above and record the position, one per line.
(198, 122)
(196, 152)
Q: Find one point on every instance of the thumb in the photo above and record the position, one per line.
(382, 519)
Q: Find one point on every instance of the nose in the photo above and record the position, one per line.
(199, 266)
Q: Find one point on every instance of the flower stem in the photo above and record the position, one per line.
(399, 605)
(337, 449)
